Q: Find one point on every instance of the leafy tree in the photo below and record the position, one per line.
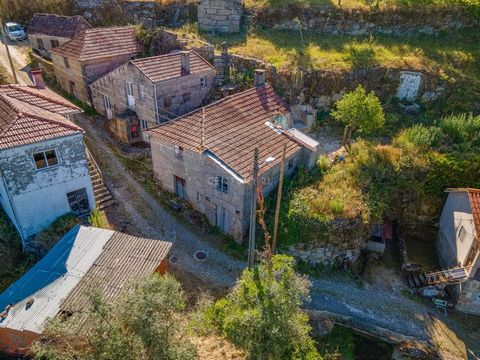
(143, 324)
(359, 111)
(262, 314)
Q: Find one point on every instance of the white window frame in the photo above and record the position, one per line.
(203, 81)
(222, 184)
(47, 165)
(129, 85)
(144, 124)
(462, 233)
(178, 152)
(141, 92)
(106, 102)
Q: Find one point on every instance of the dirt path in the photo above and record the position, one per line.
(18, 52)
(368, 304)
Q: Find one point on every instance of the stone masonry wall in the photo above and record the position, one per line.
(221, 16)
(338, 21)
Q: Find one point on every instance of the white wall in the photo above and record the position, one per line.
(39, 196)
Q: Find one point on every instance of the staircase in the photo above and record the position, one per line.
(103, 198)
(418, 280)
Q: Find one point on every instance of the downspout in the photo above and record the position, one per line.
(157, 120)
(10, 201)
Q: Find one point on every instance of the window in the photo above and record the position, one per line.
(144, 124)
(462, 234)
(203, 81)
(179, 152)
(129, 88)
(222, 184)
(54, 43)
(40, 44)
(78, 202)
(141, 92)
(478, 296)
(65, 62)
(290, 163)
(186, 97)
(72, 87)
(471, 254)
(106, 102)
(167, 102)
(45, 159)
(134, 131)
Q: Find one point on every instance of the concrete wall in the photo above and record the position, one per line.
(222, 16)
(114, 86)
(39, 196)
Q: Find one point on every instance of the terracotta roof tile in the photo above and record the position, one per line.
(233, 127)
(164, 67)
(57, 25)
(99, 43)
(28, 115)
(124, 258)
(474, 197)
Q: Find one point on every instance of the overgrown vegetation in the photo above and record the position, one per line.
(46, 239)
(23, 10)
(96, 218)
(262, 314)
(143, 324)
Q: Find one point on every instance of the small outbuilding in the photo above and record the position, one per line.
(85, 257)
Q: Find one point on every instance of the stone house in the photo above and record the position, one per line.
(60, 282)
(206, 156)
(220, 16)
(458, 245)
(47, 31)
(145, 92)
(90, 55)
(44, 172)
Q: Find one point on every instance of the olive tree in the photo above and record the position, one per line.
(262, 314)
(359, 111)
(143, 324)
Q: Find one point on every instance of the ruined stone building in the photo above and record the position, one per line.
(90, 55)
(220, 16)
(43, 163)
(206, 156)
(47, 31)
(458, 245)
(145, 92)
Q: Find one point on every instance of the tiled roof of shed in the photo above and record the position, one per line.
(29, 115)
(99, 43)
(474, 197)
(233, 127)
(57, 25)
(164, 67)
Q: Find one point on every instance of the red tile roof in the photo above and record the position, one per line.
(99, 43)
(29, 115)
(233, 127)
(474, 197)
(57, 25)
(164, 67)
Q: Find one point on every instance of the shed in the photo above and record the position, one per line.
(57, 283)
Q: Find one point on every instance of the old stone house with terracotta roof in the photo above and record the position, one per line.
(47, 31)
(206, 156)
(145, 92)
(90, 55)
(458, 245)
(59, 283)
(44, 171)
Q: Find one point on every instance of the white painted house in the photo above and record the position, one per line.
(44, 171)
(458, 245)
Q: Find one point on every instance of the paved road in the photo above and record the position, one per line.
(18, 52)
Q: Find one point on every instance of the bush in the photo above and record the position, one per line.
(420, 136)
(45, 240)
(96, 219)
(462, 129)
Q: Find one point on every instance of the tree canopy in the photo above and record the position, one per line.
(262, 314)
(143, 324)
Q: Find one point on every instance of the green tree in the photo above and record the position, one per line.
(359, 111)
(143, 324)
(262, 314)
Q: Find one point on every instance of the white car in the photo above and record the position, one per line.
(14, 31)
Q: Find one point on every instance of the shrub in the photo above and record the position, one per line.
(420, 136)
(323, 163)
(96, 219)
(461, 129)
(50, 236)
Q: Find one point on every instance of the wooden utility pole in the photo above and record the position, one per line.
(8, 53)
(279, 199)
(253, 212)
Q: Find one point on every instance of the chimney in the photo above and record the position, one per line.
(38, 78)
(185, 61)
(259, 77)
